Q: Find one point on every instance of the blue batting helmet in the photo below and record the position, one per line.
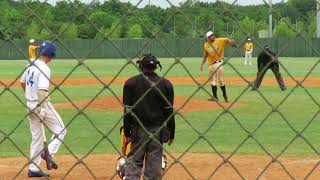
(47, 48)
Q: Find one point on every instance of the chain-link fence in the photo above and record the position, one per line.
(250, 135)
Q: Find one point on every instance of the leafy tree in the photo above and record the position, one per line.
(45, 34)
(113, 32)
(283, 28)
(33, 31)
(135, 31)
(101, 19)
(86, 31)
(246, 28)
(68, 31)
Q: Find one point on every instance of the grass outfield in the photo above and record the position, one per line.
(226, 134)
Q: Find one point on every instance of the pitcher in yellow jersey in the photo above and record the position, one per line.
(214, 53)
(248, 48)
(32, 50)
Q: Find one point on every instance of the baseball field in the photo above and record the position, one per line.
(269, 134)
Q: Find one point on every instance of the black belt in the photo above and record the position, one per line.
(32, 100)
(217, 62)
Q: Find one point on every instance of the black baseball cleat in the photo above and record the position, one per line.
(213, 99)
(283, 88)
(226, 99)
(37, 174)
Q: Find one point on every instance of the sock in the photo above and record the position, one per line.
(214, 91)
(223, 89)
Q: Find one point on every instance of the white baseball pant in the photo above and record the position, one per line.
(54, 122)
(248, 58)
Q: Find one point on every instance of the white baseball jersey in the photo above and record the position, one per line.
(36, 77)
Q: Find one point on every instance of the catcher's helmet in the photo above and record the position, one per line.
(149, 62)
(48, 48)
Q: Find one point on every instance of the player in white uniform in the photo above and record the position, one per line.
(35, 82)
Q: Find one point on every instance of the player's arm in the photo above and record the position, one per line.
(204, 59)
(170, 112)
(128, 103)
(232, 43)
(23, 81)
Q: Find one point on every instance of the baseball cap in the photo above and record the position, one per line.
(249, 39)
(209, 33)
(149, 62)
(32, 41)
(47, 48)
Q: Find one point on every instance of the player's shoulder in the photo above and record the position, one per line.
(131, 81)
(41, 65)
(167, 81)
(222, 39)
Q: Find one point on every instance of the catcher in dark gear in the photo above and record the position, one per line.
(148, 110)
(267, 59)
(125, 148)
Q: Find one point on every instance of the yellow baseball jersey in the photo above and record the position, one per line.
(215, 50)
(248, 46)
(124, 146)
(32, 51)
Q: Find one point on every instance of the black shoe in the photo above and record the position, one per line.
(283, 88)
(226, 99)
(213, 99)
(37, 174)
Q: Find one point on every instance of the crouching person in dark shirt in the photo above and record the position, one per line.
(148, 120)
(267, 59)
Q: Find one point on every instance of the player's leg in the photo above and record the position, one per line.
(246, 58)
(36, 142)
(153, 167)
(56, 126)
(222, 82)
(213, 81)
(276, 71)
(136, 156)
(261, 72)
(250, 58)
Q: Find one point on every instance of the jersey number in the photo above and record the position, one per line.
(30, 80)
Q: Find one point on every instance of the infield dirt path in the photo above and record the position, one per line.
(112, 104)
(91, 81)
(201, 166)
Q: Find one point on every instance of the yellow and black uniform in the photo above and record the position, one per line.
(248, 46)
(32, 52)
(214, 51)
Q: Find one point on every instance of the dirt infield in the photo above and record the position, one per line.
(91, 81)
(112, 104)
(201, 166)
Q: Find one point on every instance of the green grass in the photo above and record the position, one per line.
(226, 134)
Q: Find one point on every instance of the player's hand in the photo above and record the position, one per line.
(40, 112)
(234, 45)
(201, 68)
(170, 142)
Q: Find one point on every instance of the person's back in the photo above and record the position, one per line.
(266, 56)
(150, 101)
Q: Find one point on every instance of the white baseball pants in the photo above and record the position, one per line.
(248, 58)
(55, 124)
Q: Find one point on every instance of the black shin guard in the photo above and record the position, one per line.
(214, 91)
(223, 89)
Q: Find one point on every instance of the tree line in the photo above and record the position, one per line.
(25, 19)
